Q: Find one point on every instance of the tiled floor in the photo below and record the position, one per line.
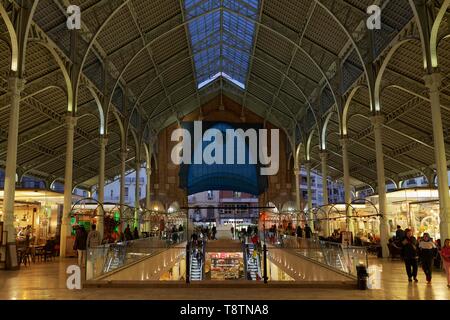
(48, 281)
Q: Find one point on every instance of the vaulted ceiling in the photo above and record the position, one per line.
(288, 61)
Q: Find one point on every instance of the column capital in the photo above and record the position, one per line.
(323, 154)
(16, 83)
(308, 164)
(71, 121)
(344, 140)
(433, 81)
(104, 139)
(377, 120)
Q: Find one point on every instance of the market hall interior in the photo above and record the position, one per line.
(118, 115)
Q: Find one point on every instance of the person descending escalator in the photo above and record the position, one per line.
(194, 238)
(199, 257)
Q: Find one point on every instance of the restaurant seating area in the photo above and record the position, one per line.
(28, 253)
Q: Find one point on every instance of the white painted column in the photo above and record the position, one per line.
(309, 188)
(147, 194)
(324, 165)
(136, 198)
(297, 173)
(377, 122)
(433, 83)
(347, 186)
(16, 85)
(68, 184)
(101, 183)
(123, 159)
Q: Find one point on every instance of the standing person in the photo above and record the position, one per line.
(427, 250)
(409, 254)
(299, 232)
(214, 231)
(80, 245)
(232, 232)
(93, 238)
(399, 234)
(135, 233)
(308, 231)
(445, 254)
(127, 233)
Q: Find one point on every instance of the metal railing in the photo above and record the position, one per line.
(335, 255)
(106, 258)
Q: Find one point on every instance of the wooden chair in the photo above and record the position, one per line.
(49, 250)
(24, 256)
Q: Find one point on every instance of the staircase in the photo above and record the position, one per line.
(196, 269)
(253, 266)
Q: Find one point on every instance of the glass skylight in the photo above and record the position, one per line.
(221, 38)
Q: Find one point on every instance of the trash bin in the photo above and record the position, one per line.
(362, 277)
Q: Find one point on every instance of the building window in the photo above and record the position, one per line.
(229, 209)
(210, 195)
(126, 191)
(210, 212)
(236, 194)
(140, 191)
(112, 194)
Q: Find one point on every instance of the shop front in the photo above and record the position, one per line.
(224, 266)
(37, 215)
(417, 209)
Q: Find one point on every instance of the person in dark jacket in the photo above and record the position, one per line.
(399, 234)
(410, 255)
(299, 232)
(80, 245)
(427, 251)
(127, 233)
(308, 232)
(135, 233)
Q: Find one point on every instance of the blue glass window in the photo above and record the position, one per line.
(222, 38)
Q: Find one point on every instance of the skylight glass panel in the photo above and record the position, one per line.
(222, 36)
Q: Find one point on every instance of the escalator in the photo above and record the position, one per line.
(196, 261)
(252, 260)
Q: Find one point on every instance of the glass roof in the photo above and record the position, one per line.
(221, 38)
